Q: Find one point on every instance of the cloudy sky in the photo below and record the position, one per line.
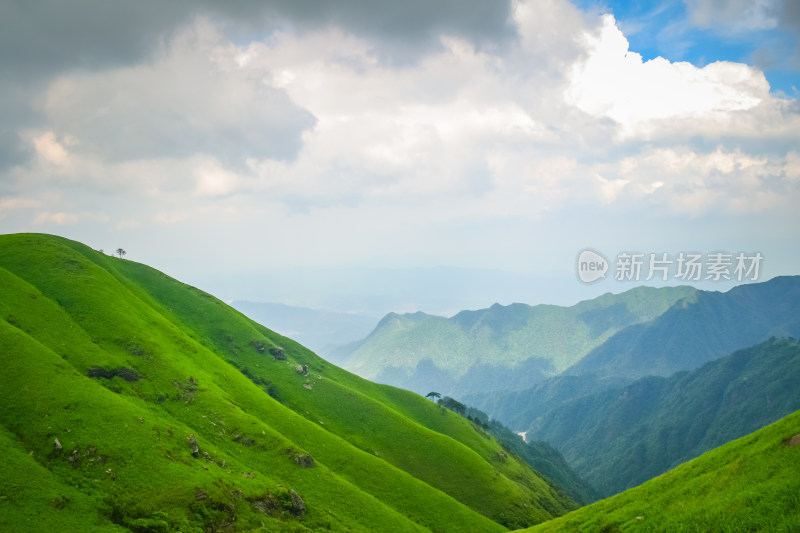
(382, 155)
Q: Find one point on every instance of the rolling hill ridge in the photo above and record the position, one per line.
(133, 402)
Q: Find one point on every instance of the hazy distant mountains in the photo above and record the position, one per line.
(499, 348)
(320, 330)
(625, 386)
(644, 331)
(697, 329)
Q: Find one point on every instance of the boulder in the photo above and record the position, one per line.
(75, 458)
(57, 448)
(298, 507)
(258, 345)
(268, 505)
(194, 446)
(305, 461)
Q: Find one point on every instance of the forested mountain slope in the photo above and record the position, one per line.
(702, 327)
(620, 438)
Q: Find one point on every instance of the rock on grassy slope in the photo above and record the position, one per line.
(750, 484)
(133, 402)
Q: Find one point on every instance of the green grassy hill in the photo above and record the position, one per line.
(751, 484)
(133, 402)
(620, 438)
(499, 348)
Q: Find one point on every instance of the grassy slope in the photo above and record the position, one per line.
(383, 456)
(751, 484)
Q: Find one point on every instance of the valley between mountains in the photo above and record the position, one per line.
(134, 402)
(625, 386)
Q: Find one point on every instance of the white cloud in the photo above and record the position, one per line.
(491, 132)
(645, 97)
(390, 133)
(214, 180)
(61, 218)
(7, 204)
(308, 142)
(727, 181)
(193, 97)
(50, 150)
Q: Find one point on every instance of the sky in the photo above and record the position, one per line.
(400, 156)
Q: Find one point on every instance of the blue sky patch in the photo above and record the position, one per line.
(667, 29)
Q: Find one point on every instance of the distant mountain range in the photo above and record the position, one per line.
(699, 328)
(318, 329)
(499, 348)
(503, 349)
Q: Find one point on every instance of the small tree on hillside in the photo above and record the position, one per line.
(453, 404)
(121, 252)
(433, 396)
